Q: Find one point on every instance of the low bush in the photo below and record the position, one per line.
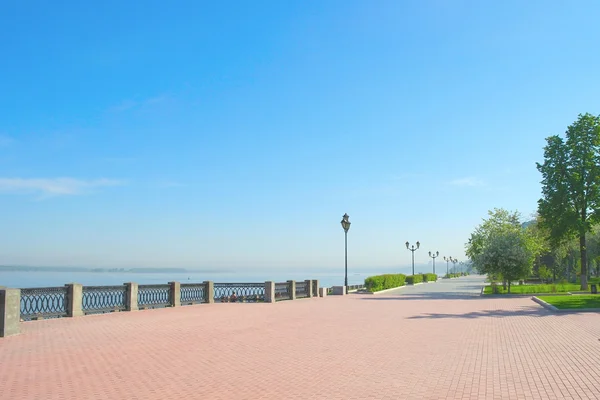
(382, 282)
(412, 279)
(531, 289)
(429, 277)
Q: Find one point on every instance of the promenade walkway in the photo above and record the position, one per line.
(431, 341)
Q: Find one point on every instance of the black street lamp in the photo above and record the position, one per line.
(454, 264)
(434, 255)
(461, 266)
(447, 259)
(346, 227)
(412, 248)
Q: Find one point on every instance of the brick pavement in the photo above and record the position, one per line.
(390, 346)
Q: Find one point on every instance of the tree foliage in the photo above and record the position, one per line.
(500, 245)
(571, 185)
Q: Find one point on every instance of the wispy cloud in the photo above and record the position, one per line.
(468, 181)
(130, 104)
(50, 187)
(170, 184)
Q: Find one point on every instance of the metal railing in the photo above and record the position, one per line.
(152, 296)
(101, 299)
(301, 290)
(239, 292)
(192, 293)
(282, 291)
(48, 302)
(353, 288)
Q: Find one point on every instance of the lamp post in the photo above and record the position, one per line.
(346, 226)
(434, 255)
(454, 264)
(447, 259)
(461, 266)
(412, 248)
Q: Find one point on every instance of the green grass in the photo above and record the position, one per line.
(573, 302)
(535, 289)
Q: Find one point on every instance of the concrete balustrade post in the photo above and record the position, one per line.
(309, 288)
(175, 294)
(315, 284)
(74, 299)
(10, 312)
(292, 289)
(209, 292)
(269, 292)
(131, 296)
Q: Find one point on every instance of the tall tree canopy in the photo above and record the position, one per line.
(571, 184)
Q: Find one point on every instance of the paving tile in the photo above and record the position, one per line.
(435, 341)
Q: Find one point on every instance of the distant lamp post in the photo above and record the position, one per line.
(461, 266)
(412, 248)
(346, 226)
(454, 264)
(447, 259)
(434, 255)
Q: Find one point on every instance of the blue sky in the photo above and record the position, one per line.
(236, 134)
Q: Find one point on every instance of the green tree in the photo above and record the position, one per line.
(571, 184)
(499, 220)
(508, 253)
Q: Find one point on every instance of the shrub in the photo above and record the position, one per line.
(412, 279)
(382, 282)
(429, 277)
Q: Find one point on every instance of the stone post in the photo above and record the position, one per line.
(269, 292)
(292, 289)
(209, 291)
(131, 296)
(74, 299)
(315, 283)
(10, 312)
(309, 288)
(339, 290)
(323, 292)
(175, 294)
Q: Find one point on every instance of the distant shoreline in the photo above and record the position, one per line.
(4, 268)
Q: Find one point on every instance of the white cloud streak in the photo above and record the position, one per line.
(468, 181)
(49, 187)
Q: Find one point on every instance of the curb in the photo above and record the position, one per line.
(562, 310)
(386, 290)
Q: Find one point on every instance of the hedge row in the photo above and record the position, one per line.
(382, 282)
(412, 279)
(456, 275)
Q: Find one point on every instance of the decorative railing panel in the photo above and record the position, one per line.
(151, 296)
(101, 299)
(192, 293)
(48, 302)
(315, 289)
(355, 287)
(301, 290)
(239, 292)
(282, 291)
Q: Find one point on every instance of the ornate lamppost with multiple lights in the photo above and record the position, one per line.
(412, 248)
(447, 259)
(454, 264)
(346, 226)
(434, 255)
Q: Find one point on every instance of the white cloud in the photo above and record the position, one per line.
(48, 187)
(468, 181)
(130, 104)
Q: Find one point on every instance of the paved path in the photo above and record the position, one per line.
(433, 341)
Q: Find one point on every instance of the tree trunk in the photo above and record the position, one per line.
(583, 251)
(509, 287)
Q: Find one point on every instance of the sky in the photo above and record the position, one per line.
(235, 134)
